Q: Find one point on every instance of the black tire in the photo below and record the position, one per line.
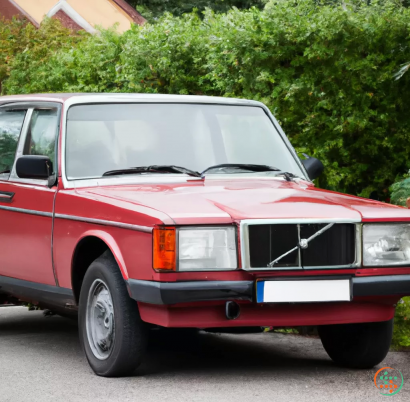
(130, 332)
(360, 346)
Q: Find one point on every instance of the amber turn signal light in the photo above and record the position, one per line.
(164, 248)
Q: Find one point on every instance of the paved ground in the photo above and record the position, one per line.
(41, 360)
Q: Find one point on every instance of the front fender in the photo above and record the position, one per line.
(111, 244)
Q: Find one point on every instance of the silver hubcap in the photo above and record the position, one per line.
(100, 320)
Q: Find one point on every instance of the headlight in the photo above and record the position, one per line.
(386, 244)
(207, 248)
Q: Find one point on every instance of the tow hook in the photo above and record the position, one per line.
(232, 310)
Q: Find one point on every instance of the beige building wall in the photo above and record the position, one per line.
(101, 12)
(37, 9)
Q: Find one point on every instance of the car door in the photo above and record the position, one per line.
(26, 205)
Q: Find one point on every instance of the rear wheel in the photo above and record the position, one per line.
(357, 345)
(112, 333)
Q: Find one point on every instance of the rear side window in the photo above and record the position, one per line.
(42, 133)
(11, 122)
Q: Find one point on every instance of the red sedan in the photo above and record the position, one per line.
(137, 211)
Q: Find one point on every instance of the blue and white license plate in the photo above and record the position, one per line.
(303, 291)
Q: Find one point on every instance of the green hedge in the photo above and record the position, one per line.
(24, 46)
(152, 9)
(401, 335)
(400, 192)
(325, 72)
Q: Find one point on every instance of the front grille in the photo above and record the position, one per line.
(334, 247)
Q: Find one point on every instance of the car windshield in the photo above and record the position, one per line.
(107, 137)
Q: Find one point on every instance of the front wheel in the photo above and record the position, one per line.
(360, 346)
(112, 333)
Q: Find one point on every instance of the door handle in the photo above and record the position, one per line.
(5, 196)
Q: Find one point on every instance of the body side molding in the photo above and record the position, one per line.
(46, 295)
(103, 222)
(138, 228)
(26, 211)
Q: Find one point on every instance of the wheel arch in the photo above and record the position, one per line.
(89, 247)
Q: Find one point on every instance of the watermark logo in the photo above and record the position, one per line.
(389, 381)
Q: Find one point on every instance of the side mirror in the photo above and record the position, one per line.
(313, 166)
(35, 167)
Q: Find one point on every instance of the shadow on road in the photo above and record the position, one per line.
(185, 352)
(252, 354)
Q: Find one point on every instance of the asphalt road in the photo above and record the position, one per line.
(41, 360)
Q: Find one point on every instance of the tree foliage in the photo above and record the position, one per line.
(401, 335)
(325, 72)
(152, 9)
(32, 47)
(400, 192)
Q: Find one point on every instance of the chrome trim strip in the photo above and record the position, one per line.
(286, 141)
(154, 178)
(27, 211)
(76, 99)
(298, 220)
(129, 226)
(20, 145)
(52, 240)
(299, 249)
(35, 182)
(12, 100)
(244, 236)
(22, 141)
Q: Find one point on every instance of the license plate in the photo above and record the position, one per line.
(303, 291)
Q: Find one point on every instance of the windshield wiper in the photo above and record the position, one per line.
(237, 167)
(241, 168)
(153, 169)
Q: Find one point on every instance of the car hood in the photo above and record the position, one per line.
(228, 200)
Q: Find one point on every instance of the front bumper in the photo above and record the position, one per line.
(167, 293)
(187, 292)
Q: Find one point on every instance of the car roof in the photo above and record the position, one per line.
(78, 98)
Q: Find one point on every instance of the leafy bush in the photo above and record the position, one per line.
(25, 52)
(11, 42)
(400, 191)
(32, 47)
(326, 73)
(401, 335)
(152, 9)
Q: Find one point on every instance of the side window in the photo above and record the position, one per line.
(11, 122)
(42, 134)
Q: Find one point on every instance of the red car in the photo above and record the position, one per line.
(181, 211)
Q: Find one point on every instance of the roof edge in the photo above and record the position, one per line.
(131, 11)
(73, 14)
(24, 13)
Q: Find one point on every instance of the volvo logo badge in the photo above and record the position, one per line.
(304, 243)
